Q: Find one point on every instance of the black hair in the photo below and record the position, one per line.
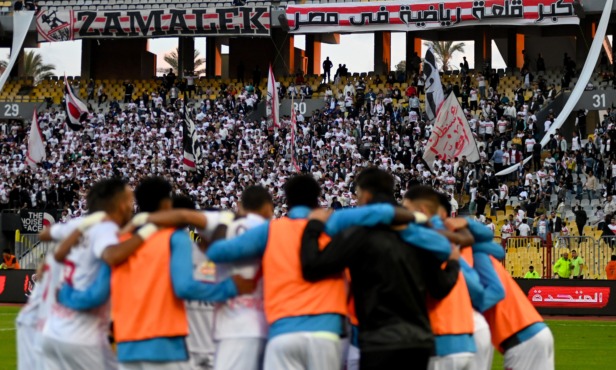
(613, 257)
(183, 202)
(444, 202)
(6, 250)
(425, 193)
(254, 197)
(531, 267)
(376, 181)
(302, 190)
(101, 194)
(150, 192)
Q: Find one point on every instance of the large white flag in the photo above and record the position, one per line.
(451, 136)
(272, 103)
(434, 88)
(36, 147)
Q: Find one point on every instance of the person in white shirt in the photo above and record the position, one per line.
(240, 326)
(506, 230)
(524, 229)
(32, 317)
(74, 339)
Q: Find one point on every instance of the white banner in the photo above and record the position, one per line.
(272, 104)
(417, 15)
(451, 136)
(21, 24)
(36, 146)
(234, 21)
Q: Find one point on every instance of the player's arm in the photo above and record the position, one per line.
(460, 237)
(493, 290)
(484, 239)
(183, 217)
(186, 287)
(249, 245)
(427, 239)
(45, 235)
(370, 215)
(93, 296)
(116, 254)
(67, 244)
(319, 263)
(473, 284)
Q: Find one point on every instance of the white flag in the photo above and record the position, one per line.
(434, 88)
(36, 146)
(272, 104)
(451, 136)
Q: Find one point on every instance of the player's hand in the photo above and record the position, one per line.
(320, 214)
(91, 220)
(456, 223)
(455, 252)
(243, 285)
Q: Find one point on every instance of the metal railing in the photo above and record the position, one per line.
(525, 251)
(30, 251)
(522, 252)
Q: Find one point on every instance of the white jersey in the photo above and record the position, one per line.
(201, 314)
(242, 316)
(80, 270)
(52, 273)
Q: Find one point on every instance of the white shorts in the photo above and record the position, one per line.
(27, 358)
(146, 365)
(352, 358)
(485, 350)
(456, 361)
(535, 353)
(303, 351)
(201, 361)
(59, 355)
(239, 353)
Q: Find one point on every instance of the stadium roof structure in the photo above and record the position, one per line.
(259, 33)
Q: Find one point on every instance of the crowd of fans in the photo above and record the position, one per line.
(357, 127)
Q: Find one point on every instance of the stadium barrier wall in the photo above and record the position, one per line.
(16, 285)
(571, 297)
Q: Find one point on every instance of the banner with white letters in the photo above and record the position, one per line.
(68, 25)
(417, 15)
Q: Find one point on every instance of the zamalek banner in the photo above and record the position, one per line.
(416, 15)
(67, 25)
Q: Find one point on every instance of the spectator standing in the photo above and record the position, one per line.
(327, 70)
(578, 265)
(563, 267)
(524, 229)
(610, 269)
(580, 220)
(506, 230)
(128, 91)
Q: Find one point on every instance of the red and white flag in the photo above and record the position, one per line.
(272, 102)
(36, 145)
(451, 136)
(76, 110)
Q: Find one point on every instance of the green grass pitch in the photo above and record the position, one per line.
(580, 344)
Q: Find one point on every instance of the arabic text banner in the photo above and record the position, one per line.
(570, 297)
(418, 15)
(71, 25)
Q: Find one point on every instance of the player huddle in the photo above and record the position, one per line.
(380, 286)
